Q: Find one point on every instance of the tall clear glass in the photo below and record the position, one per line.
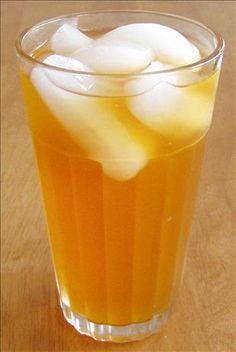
(119, 166)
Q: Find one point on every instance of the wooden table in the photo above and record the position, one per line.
(203, 319)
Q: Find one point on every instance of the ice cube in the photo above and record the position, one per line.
(186, 78)
(81, 83)
(183, 77)
(115, 57)
(144, 83)
(77, 83)
(168, 45)
(93, 125)
(172, 111)
(67, 39)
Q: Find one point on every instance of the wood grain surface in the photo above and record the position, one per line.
(204, 317)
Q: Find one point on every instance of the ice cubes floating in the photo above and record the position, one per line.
(167, 44)
(67, 39)
(157, 102)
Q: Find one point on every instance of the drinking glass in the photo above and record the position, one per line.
(119, 165)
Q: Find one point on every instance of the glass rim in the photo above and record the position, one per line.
(197, 64)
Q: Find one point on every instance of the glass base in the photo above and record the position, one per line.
(114, 333)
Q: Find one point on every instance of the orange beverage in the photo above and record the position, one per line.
(118, 223)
